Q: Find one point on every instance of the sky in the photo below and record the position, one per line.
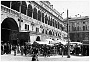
(74, 7)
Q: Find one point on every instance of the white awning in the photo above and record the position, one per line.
(75, 43)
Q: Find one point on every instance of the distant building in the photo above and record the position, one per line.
(79, 30)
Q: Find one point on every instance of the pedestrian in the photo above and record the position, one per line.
(35, 53)
(62, 50)
(34, 58)
(5, 48)
(25, 50)
(14, 47)
(45, 51)
(22, 50)
(2, 49)
(18, 49)
(8, 48)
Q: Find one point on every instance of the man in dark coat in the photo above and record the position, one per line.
(35, 54)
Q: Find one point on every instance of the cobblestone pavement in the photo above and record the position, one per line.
(11, 57)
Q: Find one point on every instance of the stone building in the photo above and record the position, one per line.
(79, 30)
(30, 20)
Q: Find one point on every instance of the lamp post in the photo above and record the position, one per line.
(20, 16)
(68, 55)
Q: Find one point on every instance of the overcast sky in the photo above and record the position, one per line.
(74, 6)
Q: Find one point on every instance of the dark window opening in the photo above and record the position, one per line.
(35, 13)
(38, 38)
(39, 15)
(28, 27)
(23, 7)
(37, 29)
(43, 17)
(29, 10)
(83, 28)
(15, 5)
(46, 19)
(6, 3)
(25, 26)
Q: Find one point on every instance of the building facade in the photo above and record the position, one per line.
(36, 18)
(79, 30)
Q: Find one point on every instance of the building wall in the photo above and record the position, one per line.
(32, 20)
(79, 29)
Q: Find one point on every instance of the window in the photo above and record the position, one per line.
(50, 33)
(37, 29)
(43, 31)
(25, 26)
(78, 28)
(46, 19)
(53, 33)
(58, 25)
(6, 3)
(49, 20)
(86, 27)
(29, 10)
(15, 5)
(83, 22)
(23, 7)
(35, 13)
(39, 15)
(46, 32)
(43, 17)
(53, 22)
(56, 34)
(83, 28)
(28, 27)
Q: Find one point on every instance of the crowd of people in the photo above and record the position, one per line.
(35, 50)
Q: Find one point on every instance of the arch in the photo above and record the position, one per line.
(56, 33)
(49, 20)
(53, 23)
(58, 25)
(43, 31)
(35, 13)
(11, 22)
(46, 32)
(6, 3)
(46, 19)
(38, 38)
(43, 17)
(23, 7)
(8, 26)
(53, 33)
(15, 5)
(39, 15)
(50, 32)
(29, 10)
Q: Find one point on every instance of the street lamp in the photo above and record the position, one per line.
(68, 55)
